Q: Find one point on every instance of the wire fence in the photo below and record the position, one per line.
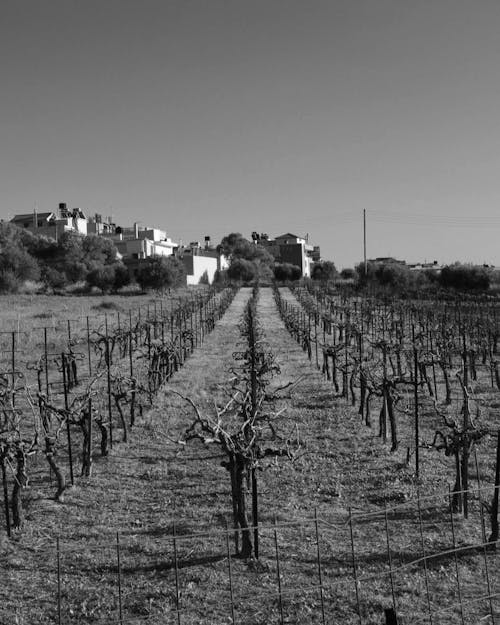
(415, 562)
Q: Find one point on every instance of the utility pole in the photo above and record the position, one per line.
(364, 240)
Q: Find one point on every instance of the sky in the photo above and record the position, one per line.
(205, 117)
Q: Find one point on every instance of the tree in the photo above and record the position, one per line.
(16, 266)
(229, 244)
(98, 250)
(102, 277)
(464, 277)
(247, 260)
(324, 271)
(287, 272)
(393, 275)
(109, 277)
(392, 278)
(160, 272)
(122, 276)
(9, 234)
(234, 246)
(69, 256)
(25, 255)
(220, 277)
(242, 270)
(76, 256)
(41, 247)
(348, 274)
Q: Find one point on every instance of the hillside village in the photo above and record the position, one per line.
(136, 242)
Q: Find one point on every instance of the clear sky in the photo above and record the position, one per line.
(204, 117)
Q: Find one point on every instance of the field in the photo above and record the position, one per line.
(347, 530)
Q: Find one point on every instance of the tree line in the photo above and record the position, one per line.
(398, 279)
(95, 262)
(92, 260)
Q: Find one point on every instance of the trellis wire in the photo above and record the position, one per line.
(283, 590)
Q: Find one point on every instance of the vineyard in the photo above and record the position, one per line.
(267, 455)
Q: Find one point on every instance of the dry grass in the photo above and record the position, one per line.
(154, 485)
(24, 311)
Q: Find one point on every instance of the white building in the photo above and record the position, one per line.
(52, 224)
(289, 248)
(199, 261)
(138, 243)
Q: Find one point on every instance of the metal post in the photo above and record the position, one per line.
(230, 572)
(6, 498)
(465, 451)
(389, 557)
(316, 319)
(415, 399)
(355, 570)
(59, 621)
(88, 347)
(66, 407)
(456, 557)
(424, 557)
(46, 363)
(13, 366)
(177, 589)
(108, 372)
(131, 370)
(494, 504)
(320, 576)
(280, 602)
(390, 617)
(119, 574)
(89, 451)
(255, 513)
(486, 568)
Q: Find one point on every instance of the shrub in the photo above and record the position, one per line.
(16, 260)
(324, 271)
(464, 278)
(102, 277)
(106, 305)
(31, 287)
(287, 272)
(9, 282)
(54, 278)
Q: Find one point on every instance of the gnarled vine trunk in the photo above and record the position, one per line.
(20, 481)
(50, 453)
(239, 472)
